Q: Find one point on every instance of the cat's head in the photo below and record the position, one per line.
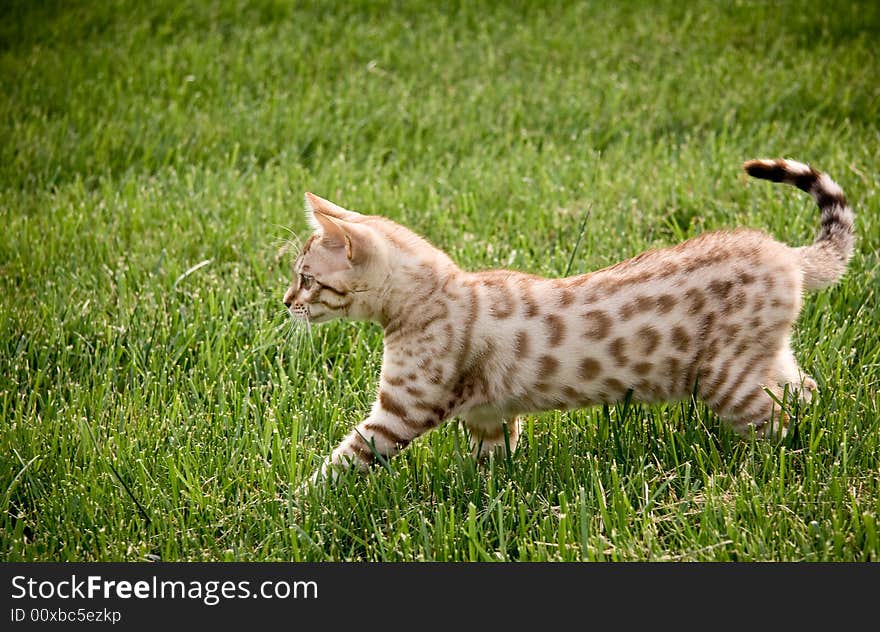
(342, 268)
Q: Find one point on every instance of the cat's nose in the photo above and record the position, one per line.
(287, 302)
(288, 298)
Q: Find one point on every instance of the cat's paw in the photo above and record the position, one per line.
(808, 390)
(775, 428)
(325, 475)
(482, 449)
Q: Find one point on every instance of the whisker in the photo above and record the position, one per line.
(292, 243)
(299, 327)
(291, 232)
(308, 329)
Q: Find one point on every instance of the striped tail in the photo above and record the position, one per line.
(823, 262)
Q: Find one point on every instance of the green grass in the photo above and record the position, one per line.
(148, 413)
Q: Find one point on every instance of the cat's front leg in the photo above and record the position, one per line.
(394, 422)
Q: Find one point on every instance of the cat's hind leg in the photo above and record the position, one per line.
(756, 408)
(753, 392)
(490, 432)
(743, 392)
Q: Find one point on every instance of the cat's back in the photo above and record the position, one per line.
(716, 262)
(634, 323)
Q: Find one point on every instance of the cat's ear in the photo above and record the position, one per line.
(333, 235)
(332, 222)
(320, 205)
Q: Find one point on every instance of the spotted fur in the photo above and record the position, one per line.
(710, 316)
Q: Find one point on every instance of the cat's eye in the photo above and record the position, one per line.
(306, 281)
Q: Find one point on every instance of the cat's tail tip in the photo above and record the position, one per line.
(825, 261)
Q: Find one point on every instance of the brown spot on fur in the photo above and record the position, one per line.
(362, 451)
(598, 324)
(741, 348)
(649, 390)
(579, 280)
(415, 391)
(720, 289)
(696, 299)
(784, 305)
(636, 306)
(680, 338)
(449, 334)
(590, 368)
(702, 261)
(392, 405)
(436, 376)
(643, 368)
(470, 320)
(566, 298)
(665, 303)
(737, 384)
(617, 349)
(636, 279)
(439, 413)
(737, 301)
(745, 404)
(607, 285)
(674, 373)
(543, 387)
(386, 433)
(431, 422)
(719, 380)
(531, 306)
(547, 366)
(644, 303)
(614, 384)
(695, 365)
(395, 380)
(521, 344)
(449, 291)
(707, 324)
(501, 303)
(555, 329)
(667, 269)
(706, 373)
(730, 331)
(712, 349)
(571, 393)
(648, 338)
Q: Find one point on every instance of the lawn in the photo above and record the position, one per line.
(155, 400)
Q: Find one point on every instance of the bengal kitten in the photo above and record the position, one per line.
(711, 316)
